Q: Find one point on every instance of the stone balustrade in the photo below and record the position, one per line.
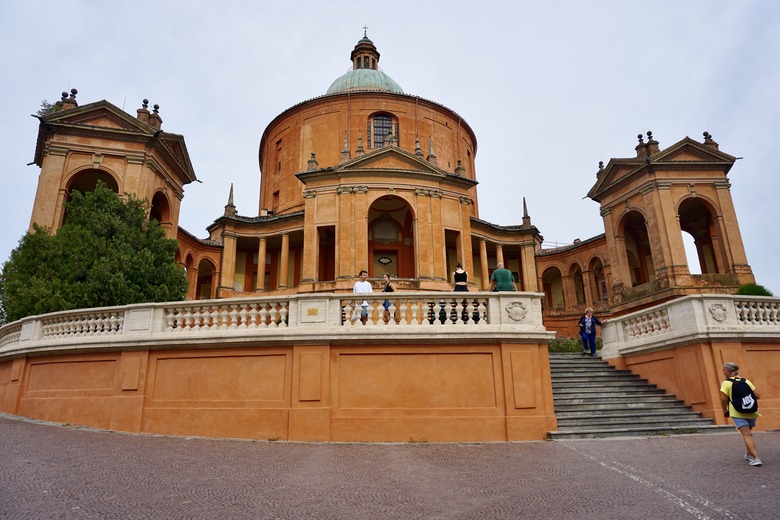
(268, 318)
(692, 318)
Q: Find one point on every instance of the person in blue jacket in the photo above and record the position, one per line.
(587, 325)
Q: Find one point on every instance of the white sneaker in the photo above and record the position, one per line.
(748, 457)
(755, 462)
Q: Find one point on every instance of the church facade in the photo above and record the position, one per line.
(369, 177)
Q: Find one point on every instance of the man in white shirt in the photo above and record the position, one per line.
(361, 287)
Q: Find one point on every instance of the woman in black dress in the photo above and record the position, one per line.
(389, 287)
(461, 279)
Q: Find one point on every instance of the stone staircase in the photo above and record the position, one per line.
(592, 400)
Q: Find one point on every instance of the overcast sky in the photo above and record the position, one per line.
(550, 89)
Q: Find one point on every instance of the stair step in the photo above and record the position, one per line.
(598, 433)
(636, 383)
(605, 395)
(648, 412)
(593, 400)
(568, 423)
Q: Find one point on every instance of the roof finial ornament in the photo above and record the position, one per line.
(652, 145)
(417, 149)
(460, 169)
(313, 164)
(365, 31)
(431, 155)
(526, 216)
(66, 103)
(709, 141)
(641, 138)
(230, 208)
(360, 150)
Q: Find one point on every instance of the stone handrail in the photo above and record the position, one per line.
(692, 317)
(274, 319)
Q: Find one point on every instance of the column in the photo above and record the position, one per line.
(587, 282)
(284, 261)
(228, 268)
(47, 208)
(345, 267)
(260, 278)
(530, 281)
(311, 239)
(192, 283)
(499, 254)
(439, 267)
(483, 260)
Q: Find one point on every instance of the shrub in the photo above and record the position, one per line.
(569, 344)
(753, 289)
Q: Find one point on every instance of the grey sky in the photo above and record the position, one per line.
(549, 88)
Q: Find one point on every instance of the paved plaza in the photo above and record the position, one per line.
(54, 471)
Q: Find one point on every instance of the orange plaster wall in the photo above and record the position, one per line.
(489, 392)
(693, 374)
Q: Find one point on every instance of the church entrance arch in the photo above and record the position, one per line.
(391, 238)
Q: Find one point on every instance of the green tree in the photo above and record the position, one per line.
(49, 108)
(107, 253)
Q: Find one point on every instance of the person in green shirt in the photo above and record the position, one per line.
(502, 279)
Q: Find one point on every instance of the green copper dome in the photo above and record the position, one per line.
(365, 73)
(365, 79)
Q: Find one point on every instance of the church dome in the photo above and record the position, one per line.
(365, 79)
(365, 73)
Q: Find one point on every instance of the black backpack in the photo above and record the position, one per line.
(742, 397)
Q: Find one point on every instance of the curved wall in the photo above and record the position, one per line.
(319, 125)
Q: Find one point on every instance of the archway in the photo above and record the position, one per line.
(161, 209)
(579, 285)
(696, 220)
(598, 280)
(640, 259)
(205, 283)
(552, 284)
(86, 181)
(391, 238)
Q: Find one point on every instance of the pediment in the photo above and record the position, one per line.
(390, 158)
(683, 154)
(99, 115)
(689, 150)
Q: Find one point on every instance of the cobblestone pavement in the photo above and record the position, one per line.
(53, 471)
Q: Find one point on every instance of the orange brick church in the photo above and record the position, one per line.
(366, 176)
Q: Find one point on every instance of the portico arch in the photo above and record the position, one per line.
(391, 238)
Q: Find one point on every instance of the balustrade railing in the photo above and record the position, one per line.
(410, 313)
(697, 316)
(237, 315)
(756, 312)
(408, 310)
(83, 324)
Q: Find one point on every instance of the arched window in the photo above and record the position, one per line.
(379, 127)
